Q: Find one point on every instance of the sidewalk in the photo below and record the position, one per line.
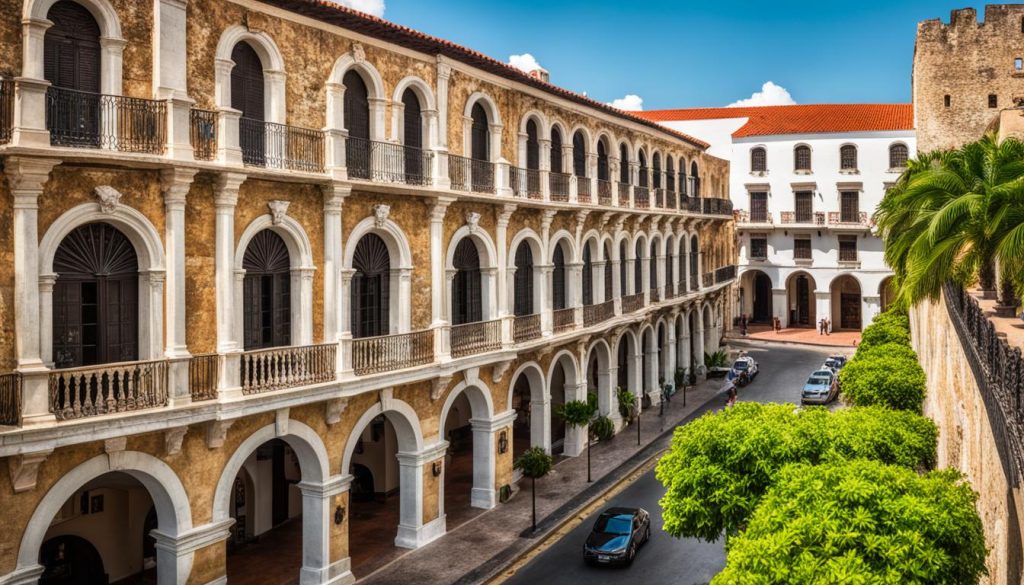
(475, 550)
(804, 336)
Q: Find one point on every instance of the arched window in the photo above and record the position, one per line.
(608, 274)
(670, 175)
(694, 180)
(638, 269)
(266, 292)
(357, 122)
(579, 155)
(412, 113)
(656, 164)
(758, 159)
(532, 146)
(524, 281)
(95, 298)
(623, 164)
(602, 162)
(898, 155)
(623, 275)
(558, 292)
(467, 296)
(802, 158)
(682, 178)
(653, 262)
(247, 90)
(480, 148)
(693, 263)
(371, 287)
(556, 150)
(847, 157)
(71, 60)
(669, 262)
(642, 159)
(588, 277)
(682, 264)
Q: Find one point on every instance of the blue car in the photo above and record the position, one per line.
(821, 388)
(616, 536)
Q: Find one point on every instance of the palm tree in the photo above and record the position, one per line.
(945, 217)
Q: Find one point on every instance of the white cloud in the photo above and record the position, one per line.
(374, 7)
(770, 95)
(525, 62)
(630, 103)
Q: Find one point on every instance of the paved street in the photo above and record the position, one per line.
(665, 559)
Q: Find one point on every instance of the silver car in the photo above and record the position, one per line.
(822, 387)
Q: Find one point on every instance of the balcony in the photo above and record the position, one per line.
(670, 199)
(558, 185)
(641, 197)
(623, 193)
(10, 399)
(708, 279)
(583, 194)
(860, 220)
(387, 353)
(203, 133)
(725, 274)
(6, 112)
(757, 218)
(80, 119)
(694, 205)
(604, 192)
(717, 206)
(816, 218)
(387, 162)
(526, 328)
(654, 294)
(659, 198)
(267, 370)
(525, 183)
(563, 320)
(599, 313)
(469, 174)
(632, 303)
(277, 146)
(694, 283)
(108, 389)
(203, 376)
(475, 338)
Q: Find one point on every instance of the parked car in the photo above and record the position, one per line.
(744, 365)
(616, 536)
(821, 388)
(835, 362)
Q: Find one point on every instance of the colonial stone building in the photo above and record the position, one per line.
(968, 75)
(281, 271)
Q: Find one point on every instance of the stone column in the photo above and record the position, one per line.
(698, 339)
(175, 184)
(639, 375)
(412, 531)
(317, 515)
(26, 178)
(669, 354)
(545, 167)
(504, 216)
(335, 134)
(546, 306)
(654, 371)
(683, 350)
(575, 272)
(484, 494)
(175, 552)
(30, 89)
(870, 308)
(228, 342)
(334, 195)
(611, 378)
(575, 437)
(823, 306)
(780, 306)
(440, 144)
(170, 73)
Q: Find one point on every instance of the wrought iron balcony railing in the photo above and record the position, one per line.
(599, 313)
(641, 197)
(525, 183)
(475, 338)
(526, 328)
(107, 389)
(563, 319)
(558, 185)
(718, 206)
(277, 146)
(725, 273)
(387, 162)
(604, 192)
(583, 190)
(632, 303)
(708, 279)
(266, 370)
(468, 174)
(82, 119)
(203, 133)
(203, 376)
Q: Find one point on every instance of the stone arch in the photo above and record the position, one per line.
(567, 361)
(757, 296)
(600, 352)
(273, 70)
(482, 412)
(801, 290)
(150, 253)
(488, 269)
(354, 61)
(543, 134)
(428, 108)
(493, 119)
(626, 348)
(539, 408)
(648, 351)
(847, 294)
(174, 513)
(400, 253)
(532, 239)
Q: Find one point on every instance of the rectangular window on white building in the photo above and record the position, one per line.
(759, 246)
(804, 206)
(801, 248)
(849, 210)
(759, 207)
(847, 248)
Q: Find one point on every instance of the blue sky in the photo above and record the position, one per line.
(687, 54)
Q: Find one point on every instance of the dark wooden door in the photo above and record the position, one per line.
(413, 120)
(803, 300)
(357, 122)
(371, 287)
(247, 96)
(524, 281)
(71, 62)
(467, 302)
(266, 303)
(762, 299)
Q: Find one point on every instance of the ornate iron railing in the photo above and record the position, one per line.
(694, 283)
(708, 279)
(203, 133)
(203, 376)
(10, 399)
(623, 194)
(725, 273)
(583, 194)
(563, 319)
(107, 389)
(604, 192)
(526, 327)
(599, 313)
(632, 303)
(558, 186)
(670, 200)
(468, 174)
(716, 206)
(277, 146)
(525, 183)
(266, 370)
(6, 110)
(91, 120)
(999, 371)
(641, 197)
(387, 162)
(372, 355)
(659, 198)
(654, 294)
(474, 338)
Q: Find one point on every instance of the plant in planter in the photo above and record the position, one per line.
(580, 413)
(603, 428)
(627, 403)
(535, 463)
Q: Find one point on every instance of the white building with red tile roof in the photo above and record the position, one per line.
(805, 181)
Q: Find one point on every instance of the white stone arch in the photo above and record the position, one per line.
(488, 270)
(400, 281)
(483, 422)
(300, 254)
(428, 109)
(606, 403)
(632, 375)
(574, 389)
(493, 119)
(835, 296)
(533, 240)
(174, 514)
(149, 252)
(112, 43)
(540, 403)
(275, 105)
(354, 60)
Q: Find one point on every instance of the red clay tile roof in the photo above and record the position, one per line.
(800, 119)
(378, 28)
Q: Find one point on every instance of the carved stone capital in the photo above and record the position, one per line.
(175, 184)
(216, 432)
(173, 438)
(439, 385)
(25, 470)
(109, 198)
(499, 369)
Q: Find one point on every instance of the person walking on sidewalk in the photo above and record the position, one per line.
(730, 390)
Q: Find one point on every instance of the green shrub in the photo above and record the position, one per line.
(860, 522)
(719, 359)
(720, 465)
(627, 403)
(891, 317)
(878, 334)
(887, 349)
(603, 428)
(894, 380)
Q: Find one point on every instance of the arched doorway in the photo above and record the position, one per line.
(467, 288)
(266, 292)
(71, 560)
(599, 380)
(887, 292)
(800, 296)
(72, 65)
(760, 306)
(531, 427)
(558, 391)
(469, 480)
(846, 303)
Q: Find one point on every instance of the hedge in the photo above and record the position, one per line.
(876, 377)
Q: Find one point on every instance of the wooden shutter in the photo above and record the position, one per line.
(623, 275)
(602, 162)
(371, 287)
(556, 151)
(247, 91)
(642, 181)
(657, 171)
(266, 304)
(480, 134)
(804, 206)
(623, 164)
(693, 260)
(588, 277)
(413, 114)
(524, 280)
(467, 304)
(532, 146)
(608, 274)
(71, 48)
(558, 280)
(357, 106)
(759, 207)
(638, 270)
(654, 266)
(579, 155)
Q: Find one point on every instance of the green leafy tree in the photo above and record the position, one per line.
(877, 378)
(719, 466)
(580, 413)
(860, 522)
(535, 463)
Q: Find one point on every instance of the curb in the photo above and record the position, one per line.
(752, 340)
(564, 513)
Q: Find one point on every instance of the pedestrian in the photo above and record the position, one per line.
(821, 327)
(778, 325)
(731, 393)
(828, 327)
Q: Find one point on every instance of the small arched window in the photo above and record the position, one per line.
(694, 180)
(588, 276)
(802, 158)
(479, 136)
(653, 265)
(467, 295)
(357, 122)
(670, 174)
(579, 155)
(898, 155)
(623, 275)
(669, 262)
(532, 146)
(266, 292)
(608, 274)
(656, 168)
(642, 160)
(758, 160)
(847, 157)
(412, 113)
(71, 49)
(556, 150)
(602, 162)
(371, 287)
(524, 280)
(623, 164)
(693, 262)
(558, 292)
(638, 269)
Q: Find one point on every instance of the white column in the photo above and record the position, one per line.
(698, 340)
(30, 89)
(504, 216)
(547, 272)
(654, 371)
(780, 305)
(575, 437)
(540, 424)
(823, 306)
(175, 552)
(317, 515)
(484, 494)
(683, 350)
(638, 377)
(870, 308)
(175, 184)
(334, 195)
(440, 124)
(170, 75)
(412, 531)
(335, 133)
(228, 342)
